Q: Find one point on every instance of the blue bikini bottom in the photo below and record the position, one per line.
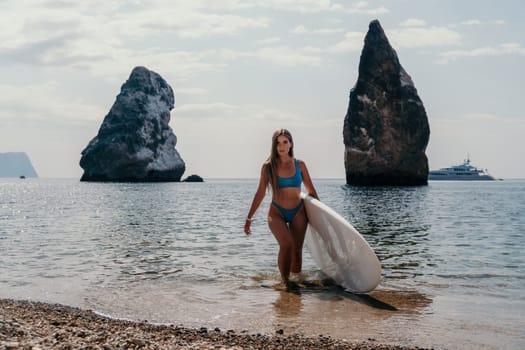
(288, 214)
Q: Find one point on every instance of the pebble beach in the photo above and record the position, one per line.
(36, 325)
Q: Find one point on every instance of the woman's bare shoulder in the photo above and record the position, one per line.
(265, 168)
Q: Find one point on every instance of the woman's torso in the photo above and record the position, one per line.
(289, 179)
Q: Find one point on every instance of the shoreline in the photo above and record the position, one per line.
(37, 325)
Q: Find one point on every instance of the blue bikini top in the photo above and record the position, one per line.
(292, 181)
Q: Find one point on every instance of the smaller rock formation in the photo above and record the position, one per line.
(135, 141)
(193, 178)
(16, 164)
(386, 128)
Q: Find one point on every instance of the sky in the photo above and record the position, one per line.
(242, 68)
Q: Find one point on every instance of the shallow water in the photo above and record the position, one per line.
(451, 253)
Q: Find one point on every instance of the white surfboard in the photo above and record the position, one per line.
(339, 250)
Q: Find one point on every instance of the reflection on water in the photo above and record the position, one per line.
(287, 304)
(396, 223)
(409, 302)
(332, 311)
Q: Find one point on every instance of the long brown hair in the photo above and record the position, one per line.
(271, 162)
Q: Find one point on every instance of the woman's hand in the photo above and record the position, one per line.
(247, 228)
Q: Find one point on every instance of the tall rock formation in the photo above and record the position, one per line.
(16, 164)
(135, 142)
(386, 128)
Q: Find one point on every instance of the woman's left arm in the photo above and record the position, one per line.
(307, 180)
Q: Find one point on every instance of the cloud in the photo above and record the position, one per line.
(361, 7)
(286, 56)
(305, 6)
(269, 41)
(225, 111)
(471, 22)
(352, 42)
(36, 52)
(192, 24)
(65, 33)
(42, 36)
(500, 50)
(113, 63)
(413, 22)
(107, 39)
(60, 51)
(473, 118)
(328, 30)
(175, 65)
(479, 117)
(301, 29)
(190, 91)
(215, 110)
(412, 34)
(46, 106)
(413, 37)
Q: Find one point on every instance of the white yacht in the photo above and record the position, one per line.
(464, 171)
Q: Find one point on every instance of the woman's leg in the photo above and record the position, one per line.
(298, 229)
(282, 233)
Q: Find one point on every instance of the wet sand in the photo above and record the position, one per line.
(35, 325)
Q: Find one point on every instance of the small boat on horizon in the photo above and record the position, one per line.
(462, 172)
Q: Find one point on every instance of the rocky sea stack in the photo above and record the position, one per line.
(386, 128)
(193, 178)
(135, 142)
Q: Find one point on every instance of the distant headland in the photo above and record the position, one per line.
(16, 164)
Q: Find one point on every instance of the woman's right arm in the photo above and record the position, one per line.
(257, 198)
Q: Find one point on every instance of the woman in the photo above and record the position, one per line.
(287, 217)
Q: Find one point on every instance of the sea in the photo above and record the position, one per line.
(452, 257)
